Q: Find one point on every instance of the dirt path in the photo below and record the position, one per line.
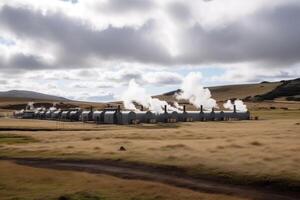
(168, 175)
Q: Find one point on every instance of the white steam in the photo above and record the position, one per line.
(195, 93)
(191, 90)
(136, 94)
(176, 104)
(30, 105)
(53, 108)
(239, 104)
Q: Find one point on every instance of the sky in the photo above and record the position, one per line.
(90, 49)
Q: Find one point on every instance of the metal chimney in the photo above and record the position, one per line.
(165, 108)
(201, 108)
(234, 108)
(184, 110)
(119, 108)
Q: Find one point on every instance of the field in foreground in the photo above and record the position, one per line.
(247, 152)
(22, 182)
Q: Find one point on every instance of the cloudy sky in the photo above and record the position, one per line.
(90, 49)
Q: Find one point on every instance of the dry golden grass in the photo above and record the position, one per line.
(223, 93)
(27, 183)
(254, 150)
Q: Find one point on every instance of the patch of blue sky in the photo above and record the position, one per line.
(71, 1)
(7, 42)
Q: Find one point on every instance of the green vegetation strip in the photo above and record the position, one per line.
(15, 139)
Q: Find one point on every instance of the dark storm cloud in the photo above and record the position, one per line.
(27, 62)
(270, 36)
(77, 42)
(21, 61)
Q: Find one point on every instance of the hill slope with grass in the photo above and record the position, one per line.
(29, 95)
(288, 89)
(223, 93)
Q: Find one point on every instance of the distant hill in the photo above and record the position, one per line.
(30, 95)
(223, 93)
(289, 89)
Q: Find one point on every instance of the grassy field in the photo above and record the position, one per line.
(26, 183)
(266, 150)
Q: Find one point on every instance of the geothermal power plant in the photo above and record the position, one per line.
(125, 117)
(158, 111)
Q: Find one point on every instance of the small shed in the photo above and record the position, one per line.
(167, 117)
(74, 115)
(65, 115)
(98, 117)
(28, 114)
(240, 115)
(48, 114)
(218, 115)
(189, 116)
(36, 114)
(126, 117)
(56, 115)
(145, 117)
(207, 116)
(110, 117)
(42, 114)
(86, 115)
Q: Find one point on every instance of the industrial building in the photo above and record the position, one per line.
(56, 115)
(48, 114)
(86, 116)
(65, 115)
(145, 117)
(109, 117)
(125, 117)
(75, 115)
(118, 116)
(98, 117)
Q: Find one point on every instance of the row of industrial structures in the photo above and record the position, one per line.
(117, 116)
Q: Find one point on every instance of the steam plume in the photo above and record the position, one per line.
(195, 93)
(239, 104)
(53, 108)
(176, 104)
(30, 105)
(135, 93)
